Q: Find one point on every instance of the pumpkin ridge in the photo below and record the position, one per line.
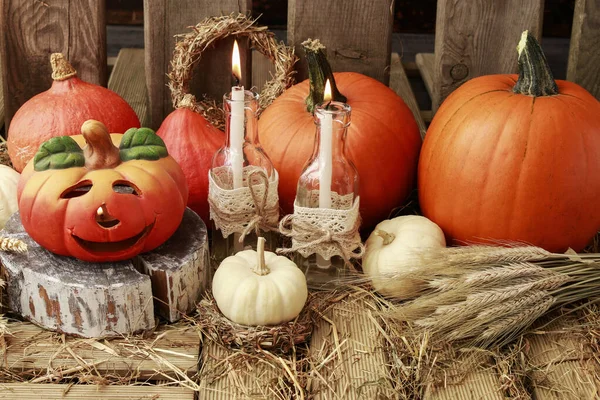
(519, 180)
(34, 199)
(456, 132)
(451, 117)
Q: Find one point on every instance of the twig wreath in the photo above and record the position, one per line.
(190, 46)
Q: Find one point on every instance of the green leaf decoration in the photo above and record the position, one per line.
(58, 153)
(142, 144)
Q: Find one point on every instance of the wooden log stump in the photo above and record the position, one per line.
(107, 299)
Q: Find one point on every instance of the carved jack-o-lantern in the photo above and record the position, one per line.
(102, 203)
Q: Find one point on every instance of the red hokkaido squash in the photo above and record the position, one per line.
(102, 202)
(515, 158)
(62, 109)
(383, 140)
(192, 141)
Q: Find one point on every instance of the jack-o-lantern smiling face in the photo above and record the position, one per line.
(102, 203)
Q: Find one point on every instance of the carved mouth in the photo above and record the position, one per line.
(112, 247)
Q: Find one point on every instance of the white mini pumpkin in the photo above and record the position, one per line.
(9, 179)
(259, 287)
(392, 254)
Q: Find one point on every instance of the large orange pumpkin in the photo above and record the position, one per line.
(62, 109)
(383, 140)
(515, 158)
(102, 203)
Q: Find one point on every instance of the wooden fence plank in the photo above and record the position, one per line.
(30, 348)
(479, 38)
(562, 365)
(32, 30)
(584, 57)
(348, 360)
(425, 62)
(163, 19)
(31, 391)
(357, 34)
(400, 84)
(128, 79)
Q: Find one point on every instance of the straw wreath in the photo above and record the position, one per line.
(189, 49)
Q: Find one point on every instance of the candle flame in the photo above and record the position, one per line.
(236, 69)
(327, 93)
(100, 212)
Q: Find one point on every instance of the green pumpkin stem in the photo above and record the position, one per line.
(535, 77)
(319, 71)
(99, 152)
(261, 266)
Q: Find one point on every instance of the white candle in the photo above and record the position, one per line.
(236, 129)
(325, 154)
(325, 164)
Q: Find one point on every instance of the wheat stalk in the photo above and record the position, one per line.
(498, 293)
(11, 244)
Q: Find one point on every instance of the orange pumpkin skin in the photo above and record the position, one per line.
(61, 110)
(192, 141)
(498, 165)
(59, 224)
(383, 141)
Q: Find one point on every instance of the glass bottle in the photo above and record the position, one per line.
(227, 159)
(343, 190)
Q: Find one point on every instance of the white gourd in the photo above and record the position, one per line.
(259, 287)
(9, 179)
(392, 254)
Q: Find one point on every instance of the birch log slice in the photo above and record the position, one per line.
(106, 299)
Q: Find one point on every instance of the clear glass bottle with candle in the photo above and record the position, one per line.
(329, 180)
(238, 165)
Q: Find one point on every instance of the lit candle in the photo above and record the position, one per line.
(325, 154)
(325, 164)
(236, 144)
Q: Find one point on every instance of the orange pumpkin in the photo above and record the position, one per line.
(102, 203)
(61, 110)
(383, 140)
(515, 158)
(192, 141)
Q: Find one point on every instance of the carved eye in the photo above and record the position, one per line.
(76, 191)
(124, 187)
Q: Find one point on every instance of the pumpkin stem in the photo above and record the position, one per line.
(535, 77)
(188, 101)
(261, 265)
(61, 68)
(99, 152)
(319, 71)
(386, 236)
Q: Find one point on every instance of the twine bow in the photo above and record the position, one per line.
(307, 236)
(262, 213)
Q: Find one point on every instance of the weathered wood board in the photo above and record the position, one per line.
(425, 63)
(226, 374)
(32, 30)
(563, 366)
(107, 299)
(584, 55)
(479, 38)
(347, 354)
(29, 391)
(163, 20)
(358, 41)
(400, 84)
(33, 351)
(128, 79)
